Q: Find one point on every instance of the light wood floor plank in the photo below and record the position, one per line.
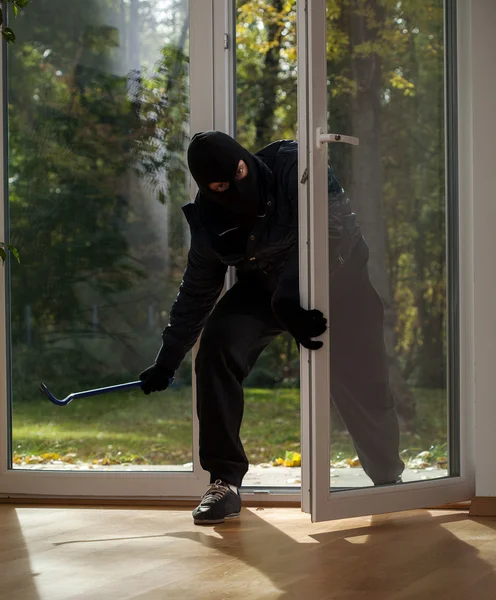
(76, 553)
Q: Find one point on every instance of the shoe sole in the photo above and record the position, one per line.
(215, 521)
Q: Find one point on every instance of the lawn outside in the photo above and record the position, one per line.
(129, 429)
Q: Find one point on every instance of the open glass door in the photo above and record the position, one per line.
(101, 100)
(389, 428)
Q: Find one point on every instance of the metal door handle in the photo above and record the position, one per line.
(327, 138)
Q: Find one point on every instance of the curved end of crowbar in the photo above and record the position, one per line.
(48, 394)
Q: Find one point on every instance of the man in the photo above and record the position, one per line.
(245, 215)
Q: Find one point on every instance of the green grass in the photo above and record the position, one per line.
(157, 429)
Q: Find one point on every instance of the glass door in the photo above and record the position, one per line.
(99, 106)
(379, 227)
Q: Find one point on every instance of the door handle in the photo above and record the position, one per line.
(328, 138)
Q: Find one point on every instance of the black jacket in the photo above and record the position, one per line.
(270, 255)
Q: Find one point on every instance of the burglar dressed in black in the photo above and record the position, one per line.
(245, 215)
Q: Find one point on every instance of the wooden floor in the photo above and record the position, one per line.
(98, 553)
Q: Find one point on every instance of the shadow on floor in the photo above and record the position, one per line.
(402, 557)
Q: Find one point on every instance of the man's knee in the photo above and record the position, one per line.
(219, 338)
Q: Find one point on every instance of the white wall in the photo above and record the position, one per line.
(477, 84)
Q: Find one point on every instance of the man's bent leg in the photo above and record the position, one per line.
(238, 330)
(360, 380)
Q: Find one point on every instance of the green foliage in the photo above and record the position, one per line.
(17, 6)
(403, 43)
(266, 72)
(3, 254)
(65, 203)
(93, 145)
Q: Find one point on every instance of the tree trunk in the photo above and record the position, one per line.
(367, 182)
(264, 122)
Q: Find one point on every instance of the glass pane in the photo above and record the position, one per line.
(98, 127)
(386, 86)
(388, 295)
(266, 111)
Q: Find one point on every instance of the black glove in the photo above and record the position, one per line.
(302, 324)
(155, 379)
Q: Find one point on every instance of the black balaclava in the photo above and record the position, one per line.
(213, 157)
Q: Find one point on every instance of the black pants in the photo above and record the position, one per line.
(236, 333)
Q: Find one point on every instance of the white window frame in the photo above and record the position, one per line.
(206, 19)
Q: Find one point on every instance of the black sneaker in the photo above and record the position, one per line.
(218, 503)
(399, 480)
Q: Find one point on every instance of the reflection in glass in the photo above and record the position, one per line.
(98, 127)
(386, 87)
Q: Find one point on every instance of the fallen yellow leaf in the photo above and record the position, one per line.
(46, 456)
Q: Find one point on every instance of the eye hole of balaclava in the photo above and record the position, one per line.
(214, 157)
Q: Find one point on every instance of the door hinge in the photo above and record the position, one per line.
(304, 177)
(226, 41)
